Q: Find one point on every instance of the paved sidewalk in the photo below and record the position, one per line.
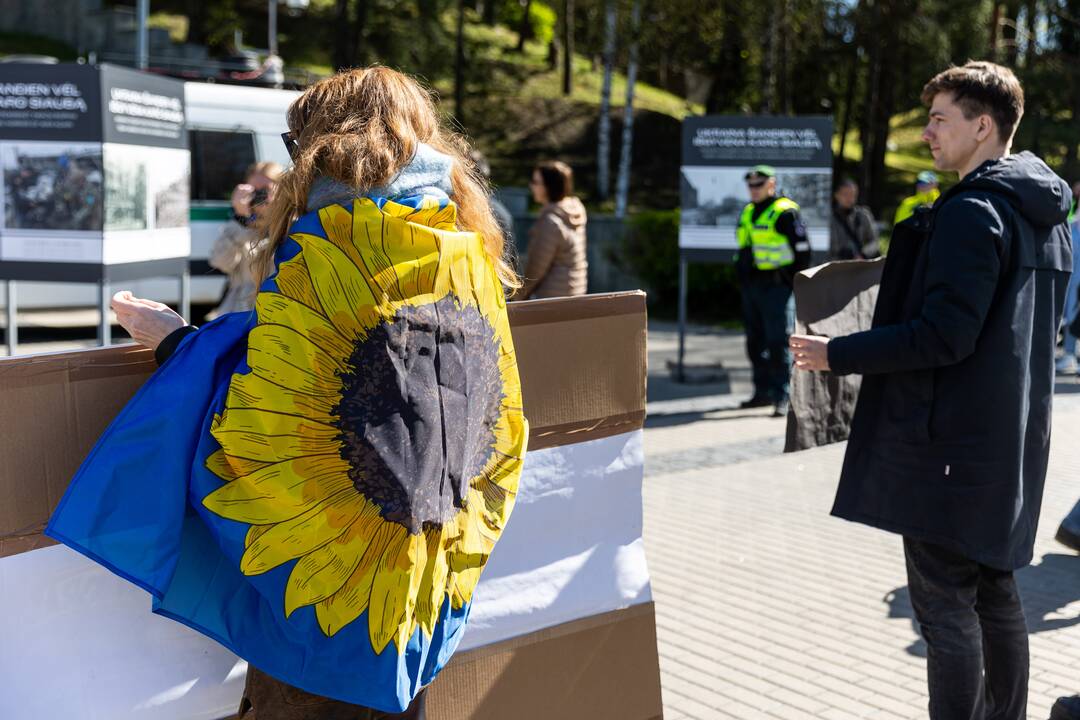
(769, 608)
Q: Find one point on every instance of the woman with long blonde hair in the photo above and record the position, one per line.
(350, 450)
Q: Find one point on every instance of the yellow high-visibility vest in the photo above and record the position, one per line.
(910, 204)
(771, 249)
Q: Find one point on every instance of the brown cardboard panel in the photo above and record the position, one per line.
(31, 539)
(598, 668)
(582, 370)
(54, 408)
(582, 364)
(530, 312)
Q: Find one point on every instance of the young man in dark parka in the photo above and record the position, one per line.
(951, 433)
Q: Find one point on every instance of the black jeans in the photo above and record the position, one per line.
(975, 632)
(767, 321)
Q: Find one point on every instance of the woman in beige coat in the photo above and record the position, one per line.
(556, 265)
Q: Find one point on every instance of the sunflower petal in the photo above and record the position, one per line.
(432, 588)
(348, 603)
(273, 436)
(277, 309)
(325, 570)
(293, 281)
(280, 491)
(393, 593)
(347, 300)
(229, 468)
(250, 391)
(295, 538)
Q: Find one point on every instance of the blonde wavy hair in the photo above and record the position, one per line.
(361, 127)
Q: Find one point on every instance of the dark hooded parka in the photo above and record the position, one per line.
(951, 432)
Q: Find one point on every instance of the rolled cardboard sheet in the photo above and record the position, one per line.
(562, 625)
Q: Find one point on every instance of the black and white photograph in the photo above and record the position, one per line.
(170, 187)
(125, 187)
(52, 186)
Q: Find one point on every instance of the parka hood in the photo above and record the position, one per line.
(1030, 186)
(569, 210)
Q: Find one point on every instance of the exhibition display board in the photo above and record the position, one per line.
(95, 171)
(717, 150)
(562, 624)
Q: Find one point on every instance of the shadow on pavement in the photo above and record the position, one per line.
(682, 418)
(1046, 589)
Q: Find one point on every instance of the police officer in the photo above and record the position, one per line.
(926, 194)
(773, 246)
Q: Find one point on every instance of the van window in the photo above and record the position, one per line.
(218, 162)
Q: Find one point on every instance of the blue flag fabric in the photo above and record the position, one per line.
(317, 484)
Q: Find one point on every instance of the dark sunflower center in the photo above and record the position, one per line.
(419, 409)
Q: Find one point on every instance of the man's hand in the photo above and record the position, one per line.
(810, 352)
(148, 322)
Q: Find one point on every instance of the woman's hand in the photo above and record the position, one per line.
(146, 321)
(810, 352)
(241, 198)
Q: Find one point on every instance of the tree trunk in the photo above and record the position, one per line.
(995, 24)
(344, 54)
(568, 47)
(603, 144)
(489, 12)
(768, 95)
(459, 67)
(885, 61)
(525, 30)
(622, 185)
(839, 166)
(359, 49)
(1030, 28)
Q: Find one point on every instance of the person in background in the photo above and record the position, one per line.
(926, 194)
(240, 238)
(773, 246)
(852, 231)
(502, 215)
(555, 263)
(1066, 364)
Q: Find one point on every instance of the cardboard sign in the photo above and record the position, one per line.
(562, 624)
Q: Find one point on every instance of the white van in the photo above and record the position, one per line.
(229, 128)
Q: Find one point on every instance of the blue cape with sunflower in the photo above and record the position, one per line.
(317, 484)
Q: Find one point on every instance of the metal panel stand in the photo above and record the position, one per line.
(185, 295)
(12, 315)
(683, 272)
(104, 326)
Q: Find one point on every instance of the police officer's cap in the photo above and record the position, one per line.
(760, 172)
(926, 177)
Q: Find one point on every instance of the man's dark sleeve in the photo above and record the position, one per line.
(791, 226)
(168, 346)
(966, 248)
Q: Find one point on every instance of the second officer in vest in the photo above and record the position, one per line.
(773, 246)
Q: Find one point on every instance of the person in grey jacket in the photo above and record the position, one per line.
(852, 230)
(555, 264)
(951, 434)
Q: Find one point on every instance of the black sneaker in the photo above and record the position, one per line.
(1066, 708)
(780, 409)
(1070, 540)
(755, 402)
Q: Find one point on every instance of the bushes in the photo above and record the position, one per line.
(651, 252)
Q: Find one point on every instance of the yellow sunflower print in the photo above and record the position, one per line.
(378, 439)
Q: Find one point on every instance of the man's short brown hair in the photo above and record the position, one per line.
(981, 88)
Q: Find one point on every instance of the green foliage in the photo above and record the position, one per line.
(651, 253)
(542, 19)
(21, 44)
